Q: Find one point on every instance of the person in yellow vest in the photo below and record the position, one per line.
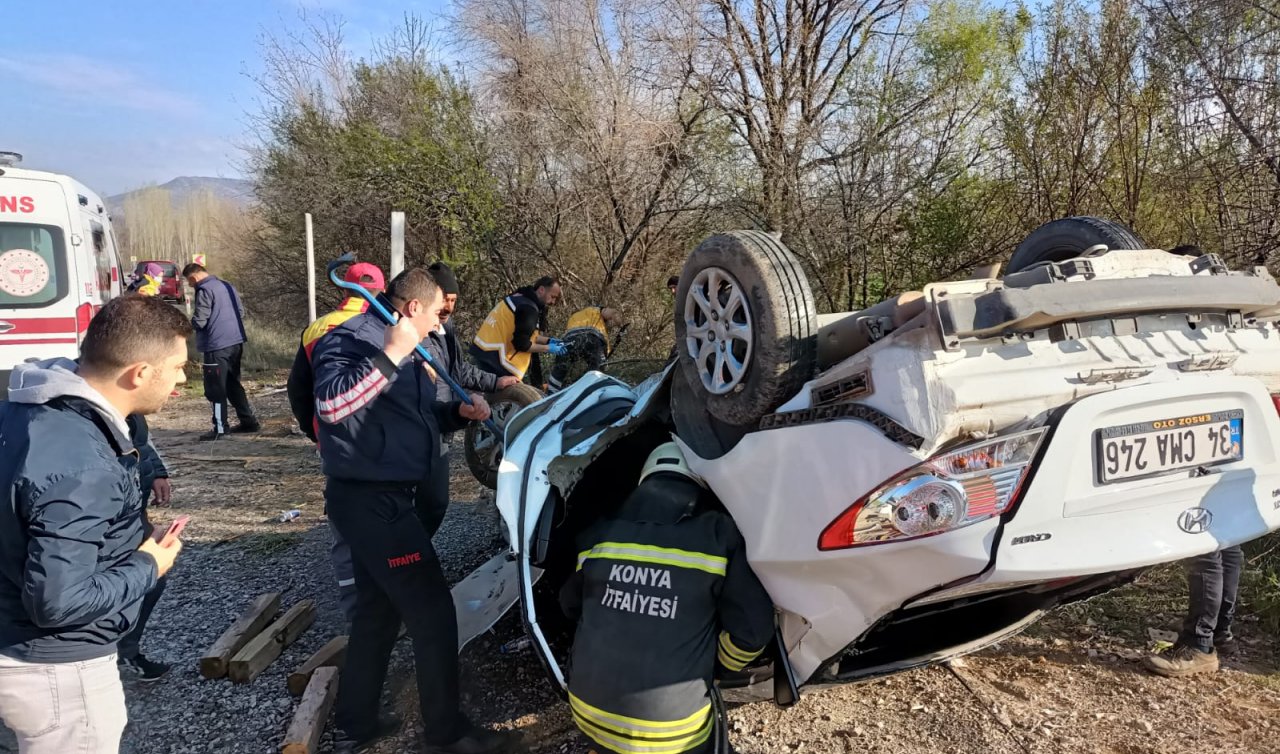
(148, 282)
(302, 402)
(512, 334)
(587, 335)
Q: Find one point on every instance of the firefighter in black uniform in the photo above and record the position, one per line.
(663, 593)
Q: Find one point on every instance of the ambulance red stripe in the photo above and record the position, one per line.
(37, 325)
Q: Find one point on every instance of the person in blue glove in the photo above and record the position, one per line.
(510, 339)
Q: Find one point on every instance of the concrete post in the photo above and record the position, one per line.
(397, 243)
(311, 272)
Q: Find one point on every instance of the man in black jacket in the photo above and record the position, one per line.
(153, 483)
(433, 499)
(379, 434)
(75, 561)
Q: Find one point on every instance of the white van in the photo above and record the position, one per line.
(58, 264)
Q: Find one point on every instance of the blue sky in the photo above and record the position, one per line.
(122, 93)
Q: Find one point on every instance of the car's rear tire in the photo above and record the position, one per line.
(482, 450)
(1069, 237)
(746, 325)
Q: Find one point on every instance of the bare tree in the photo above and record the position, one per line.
(777, 69)
(149, 223)
(600, 133)
(1224, 58)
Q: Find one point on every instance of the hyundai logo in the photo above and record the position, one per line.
(1195, 520)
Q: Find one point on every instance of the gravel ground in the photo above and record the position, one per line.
(1071, 684)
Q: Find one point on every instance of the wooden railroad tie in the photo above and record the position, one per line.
(264, 648)
(216, 659)
(303, 736)
(330, 655)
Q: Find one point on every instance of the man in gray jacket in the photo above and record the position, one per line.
(432, 500)
(220, 337)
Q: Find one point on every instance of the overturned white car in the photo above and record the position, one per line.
(925, 477)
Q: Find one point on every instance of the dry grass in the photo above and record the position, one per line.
(270, 347)
(270, 544)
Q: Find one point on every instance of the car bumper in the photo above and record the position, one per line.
(1068, 524)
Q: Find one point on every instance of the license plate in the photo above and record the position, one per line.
(1130, 451)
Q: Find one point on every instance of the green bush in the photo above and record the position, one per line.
(1261, 588)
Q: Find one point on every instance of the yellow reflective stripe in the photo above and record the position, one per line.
(618, 743)
(638, 553)
(634, 726)
(729, 662)
(733, 650)
(731, 655)
(632, 740)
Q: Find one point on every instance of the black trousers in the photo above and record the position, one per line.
(1214, 582)
(587, 351)
(222, 385)
(130, 645)
(707, 748)
(398, 578)
(431, 500)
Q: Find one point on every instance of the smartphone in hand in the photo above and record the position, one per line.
(175, 529)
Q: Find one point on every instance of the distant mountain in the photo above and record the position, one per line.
(236, 190)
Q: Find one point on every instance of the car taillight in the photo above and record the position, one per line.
(946, 492)
(1276, 400)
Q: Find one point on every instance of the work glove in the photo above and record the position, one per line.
(558, 347)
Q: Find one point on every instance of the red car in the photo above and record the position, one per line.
(171, 288)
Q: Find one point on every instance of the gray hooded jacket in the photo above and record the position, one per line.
(71, 576)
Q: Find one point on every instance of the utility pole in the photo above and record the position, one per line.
(311, 272)
(397, 243)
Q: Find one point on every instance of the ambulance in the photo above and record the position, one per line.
(59, 263)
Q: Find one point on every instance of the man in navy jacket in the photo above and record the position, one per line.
(220, 337)
(379, 434)
(75, 561)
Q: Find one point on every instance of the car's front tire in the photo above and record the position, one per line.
(482, 449)
(746, 325)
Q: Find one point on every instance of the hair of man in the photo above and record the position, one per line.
(412, 284)
(130, 330)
